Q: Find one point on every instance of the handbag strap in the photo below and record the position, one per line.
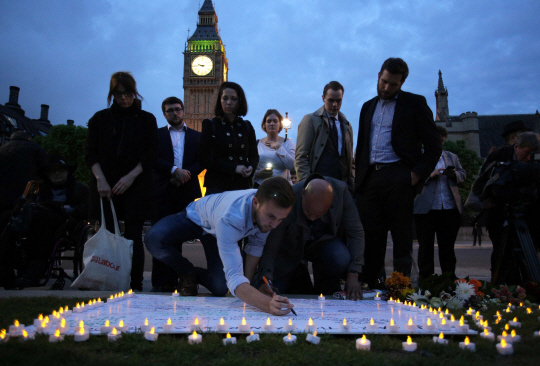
(116, 227)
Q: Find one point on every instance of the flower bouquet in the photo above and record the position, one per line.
(398, 286)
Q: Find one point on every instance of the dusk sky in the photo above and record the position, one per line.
(282, 52)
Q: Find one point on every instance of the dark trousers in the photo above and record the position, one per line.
(385, 202)
(445, 224)
(172, 200)
(164, 241)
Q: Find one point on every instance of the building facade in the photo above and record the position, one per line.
(205, 68)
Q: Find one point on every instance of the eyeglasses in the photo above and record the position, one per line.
(119, 94)
(173, 111)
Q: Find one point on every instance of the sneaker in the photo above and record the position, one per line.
(188, 285)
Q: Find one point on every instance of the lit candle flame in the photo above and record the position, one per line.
(78, 306)
(46, 318)
(24, 333)
(310, 321)
(268, 321)
(371, 322)
(114, 332)
(507, 327)
(194, 335)
(377, 295)
(409, 340)
(439, 308)
(509, 304)
(107, 324)
(345, 321)
(115, 296)
(441, 336)
(446, 312)
(243, 321)
(461, 322)
(486, 332)
(146, 321)
(82, 305)
(169, 321)
(54, 312)
(99, 299)
(391, 299)
(81, 324)
(94, 302)
(503, 343)
(61, 310)
(121, 323)
(477, 316)
(66, 308)
(228, 335)
(441, 315)
(443, 321)
(452, 318)
(89, 302)
(498, 314)
(320, 295)
(429, 321)
(221, 321)
(290, 321)
(392, 321)
(529, 310)
(315, 333)
(515, 319)
(467, 341)
(131, 291)
(363, 340)
(414, 304)
(251, 333)
(175, 291)
(111, 297)
(57, 333)
(2, 336)
(152, 330)
(289, 336)
(504, 334)
(513, 333)
(43, 324)
(81, 331)
(410, 321)
(63, 323)
(40, 317)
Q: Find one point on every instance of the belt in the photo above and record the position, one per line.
(379, 166)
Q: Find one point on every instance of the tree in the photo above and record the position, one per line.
(469, 161)
(68, 141)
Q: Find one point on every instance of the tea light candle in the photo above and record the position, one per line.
(453, 322)
(81, 335)
(222, 326)
(252, 337)
(195, 338)
(310, 327)
(505, 348)
(467, 345)
(289, 339)
(27, 335)
(4, 337)
(114, 335)
(363, 344)
(529, 311)
(504, 336)
(514, 337)
(81, 326)
(146, 326)
(229, 340)
(440, 339)
(99, 303)
(443, 325)
(196, 326)
(90, 305)
(78, 309)
(67, 312)
(430, 326)
(344, 327)
(268, 327)
(392, 327)
(497, 315)
(409, 346)
(43, 327)
(477, 316)
(111, 299)
(398, 303)
(487, 335)
(151, 335)
(391, 301)
(537, 334)
(130, 294)
(372, 326)
(37, 322)
(312, 338)
(515, 323)
(290, 326)
(169, 326)
(462, 327)
(56, 337)
(321, 297)
(175, 293)
(377, 297)
(410, 326)
(105, 329)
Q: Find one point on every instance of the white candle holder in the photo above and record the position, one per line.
(515, 324)
(506, 350)
(54, 338)
(152, 337)
(411, 328)
(78, 329)
(43, 328)
(252, 338)
(392, 328)
(409, 346)
(468, 347)
(195, 338)
(222, 328)
(345, 328)
(438, 340)
(146, 328)
(390, 302)
(377, 297)
(289, 339)
(289, 327)
(488, 335)
(26, 336)
(537, 334)
(312, 338)
(463, 328)
(106, 329)
(168, 328)
(37, 322)
(14, 329)
(229, 340)
(321, 297)
(196, 326)
(78, 337)
(372, 327)
(111, 337)
(363, 344)
(310, 328)
(4, 338)
(175, 293)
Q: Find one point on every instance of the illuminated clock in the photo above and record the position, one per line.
(202, 65)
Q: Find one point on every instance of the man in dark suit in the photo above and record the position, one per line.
(389, 163)
(175, 180)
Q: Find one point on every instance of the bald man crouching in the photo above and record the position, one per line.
(324, 228)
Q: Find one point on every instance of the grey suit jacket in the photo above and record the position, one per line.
(284, 246)
(424, 201)
(313, 133)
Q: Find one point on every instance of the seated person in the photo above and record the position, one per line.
(60, 206)
(324, 228)
(220, 221)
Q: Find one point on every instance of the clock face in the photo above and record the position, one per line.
(202, 65)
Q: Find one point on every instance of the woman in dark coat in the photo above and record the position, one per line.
(120, 149)
(228, 146)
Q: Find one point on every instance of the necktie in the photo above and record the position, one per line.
(335, 135)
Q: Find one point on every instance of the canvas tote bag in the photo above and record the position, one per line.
(107, 259)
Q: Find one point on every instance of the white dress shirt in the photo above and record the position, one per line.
(178, 138)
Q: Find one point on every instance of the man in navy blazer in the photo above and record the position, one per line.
(176, 182)
(397, 147)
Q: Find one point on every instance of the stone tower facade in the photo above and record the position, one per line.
(205, 68)
(441, 96)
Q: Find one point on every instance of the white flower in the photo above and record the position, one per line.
(418, 298)
(455, 303)
(427, 293)
(464, 290)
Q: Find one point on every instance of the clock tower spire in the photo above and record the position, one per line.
(205, 68)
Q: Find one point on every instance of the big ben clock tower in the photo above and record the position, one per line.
(205, 68)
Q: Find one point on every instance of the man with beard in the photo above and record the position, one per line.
(176, 184)
(325, 142)
(220, 221)
(390, 164)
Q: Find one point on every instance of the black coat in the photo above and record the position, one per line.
(412, 127)
(504, 153)
(223, 147)
(77, 194)
(118, 139)
(165, 162)
(20, 162)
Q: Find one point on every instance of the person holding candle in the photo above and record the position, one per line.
(323, 227)
(120, 149)
(276, 155)
(228, 147)
(220, 221)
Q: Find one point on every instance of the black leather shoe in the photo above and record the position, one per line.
(188, 285)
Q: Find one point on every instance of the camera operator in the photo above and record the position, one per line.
(497, 215)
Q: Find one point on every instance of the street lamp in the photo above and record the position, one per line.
(286, 124)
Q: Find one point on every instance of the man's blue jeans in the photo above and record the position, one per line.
(164, 241)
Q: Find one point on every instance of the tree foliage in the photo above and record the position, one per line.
(469, 161)
(68, 141)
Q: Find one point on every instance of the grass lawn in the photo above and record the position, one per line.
(132, 349)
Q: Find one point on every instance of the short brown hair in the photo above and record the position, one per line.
(278, 190)
(395, 65)
(279, 116)
(171, 100)
(442, 131)
(334, 85)
(127, 80)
